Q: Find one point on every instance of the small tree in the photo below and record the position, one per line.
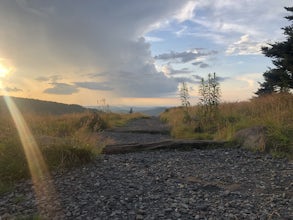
(103, 106)
(184, 95)
(209, 91)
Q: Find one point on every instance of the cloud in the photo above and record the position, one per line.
(53, 78)
(201, 64)
(185, 56)
(222, 79)
(61, 89)
(244, 46)
(74, 38)
(187, 79)
(197, 77)
(12, 89)
(224, 21)
(155, 84)
(169, 71)
(153, 39)
(94, 85)
(187, 12)
(251, 80)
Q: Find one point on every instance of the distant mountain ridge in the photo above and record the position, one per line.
(148, 110)
(35, 106)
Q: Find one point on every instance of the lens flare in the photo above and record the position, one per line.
(46, 196)
(5, 68)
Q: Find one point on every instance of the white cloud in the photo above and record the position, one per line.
(225, 20)
(187, 12)
(153, 39)
(244, 46)
(251, 80)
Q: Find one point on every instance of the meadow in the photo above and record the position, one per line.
(70, 140)
(274, 112)
(65, 141)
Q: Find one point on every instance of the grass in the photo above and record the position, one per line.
(275, 112)
(65, 141)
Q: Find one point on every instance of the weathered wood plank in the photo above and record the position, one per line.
(166, 144)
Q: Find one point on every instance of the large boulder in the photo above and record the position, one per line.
(253, 138)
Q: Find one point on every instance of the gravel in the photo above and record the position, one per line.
(197, 184)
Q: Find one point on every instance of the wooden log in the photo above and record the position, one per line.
(166, 144)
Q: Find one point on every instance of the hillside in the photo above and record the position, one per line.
(41, 107)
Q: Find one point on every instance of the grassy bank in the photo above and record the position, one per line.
(64, 140)
(275, 112)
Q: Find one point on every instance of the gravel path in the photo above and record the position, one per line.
(197, 184)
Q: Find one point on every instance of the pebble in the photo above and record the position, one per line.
(196, 184)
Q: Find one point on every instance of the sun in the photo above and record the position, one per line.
(3, 70)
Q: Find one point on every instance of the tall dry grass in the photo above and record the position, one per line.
(275, 112)
(64, 140)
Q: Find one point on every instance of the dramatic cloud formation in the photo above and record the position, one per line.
(132, 48)
(73, 37)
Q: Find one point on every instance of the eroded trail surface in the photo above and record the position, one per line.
(143, 130)
(166, 184)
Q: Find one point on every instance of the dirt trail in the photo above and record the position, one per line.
(149, 134)
(143, 130)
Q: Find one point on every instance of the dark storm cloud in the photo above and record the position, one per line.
(76, 37)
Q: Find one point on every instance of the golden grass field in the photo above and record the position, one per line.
(275, 112)
(65, 141)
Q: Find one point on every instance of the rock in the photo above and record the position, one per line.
(139, 217)
(253, 138)
(205, 184)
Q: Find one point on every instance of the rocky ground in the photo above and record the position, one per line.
(173, 184)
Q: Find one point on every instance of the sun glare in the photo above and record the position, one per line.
(46, 195)
(4, 70)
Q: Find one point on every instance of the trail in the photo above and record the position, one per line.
(167, 183)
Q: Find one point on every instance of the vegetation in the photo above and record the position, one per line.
(184, 95)
(280, 78)
(209, 91)
(65, 141)
(275, 112)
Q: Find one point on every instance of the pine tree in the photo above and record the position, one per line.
(280, 78)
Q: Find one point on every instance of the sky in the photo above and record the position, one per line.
(135, 52)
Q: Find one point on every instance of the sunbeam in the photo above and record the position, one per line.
(46, 196)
